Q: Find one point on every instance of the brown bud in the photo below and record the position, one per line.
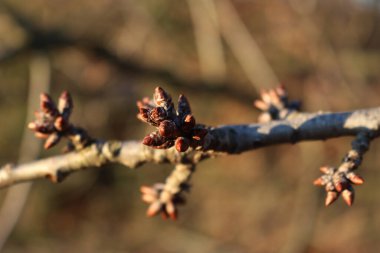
(143, 114)
(161, 98)
(188, 123)
(355, 179)
(65, 104)
(261, 105)
(47, 104)
(325, 169)
(183, 106)
(61, 123)
(318, 181)
(171, 210)
(182, 144)
(167, 128)
(153, 209)
(158, 114)
(52, 140)
(348, 196)
(331, 197)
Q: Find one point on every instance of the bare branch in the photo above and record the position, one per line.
(229, 139)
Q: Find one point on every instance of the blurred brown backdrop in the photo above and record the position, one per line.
(220, 53)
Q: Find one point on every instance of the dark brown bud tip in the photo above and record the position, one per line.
(182, 144)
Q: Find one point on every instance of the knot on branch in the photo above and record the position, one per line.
(340, 181)
(275, 105)
(53, 123)
(174, 128)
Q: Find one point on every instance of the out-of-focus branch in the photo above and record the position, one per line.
(244, 47)
(208, 40)
(56, 39)
(16, 197)
(229, 139)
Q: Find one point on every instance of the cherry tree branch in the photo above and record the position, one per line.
(229, 139)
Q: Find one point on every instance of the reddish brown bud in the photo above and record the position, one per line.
(167, 128)
(188, 123)
(261, 105)
(355, 179)
(161, 98)
(65, 104)
(348, 196)
(318, 182)
(182, 144)
(171, 210)
(61, 123)
(183, 106)
(331, 197)
(52, 140)
(153, 209)
(47, 104)
(158, 114)
(325, 169)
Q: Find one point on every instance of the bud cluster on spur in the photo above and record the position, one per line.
(52, 123)
(174, 127)
(274, 104)
(339, 181)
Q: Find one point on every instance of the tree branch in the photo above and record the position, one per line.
(229, 139)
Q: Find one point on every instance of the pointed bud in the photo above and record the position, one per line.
(348, 196)
(148, 198)
(52, 140)
(61, 123)
(265, 96)
(188, 123)
(32, 126)
(171, 210)
(47, 104)
(261, 105)
(161, 98)
(148, 190)
(183, 106)
(182, 144)
(325, 169)
(65, 104)
(355, 179)
(153, 209)
(331, 197)
(318, 182)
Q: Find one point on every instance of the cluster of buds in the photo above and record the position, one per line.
(341, 180)
(274, 104)
(174, 128)
(161, 200)
(52, 123)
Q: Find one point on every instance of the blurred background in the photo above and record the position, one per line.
(220, 53)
